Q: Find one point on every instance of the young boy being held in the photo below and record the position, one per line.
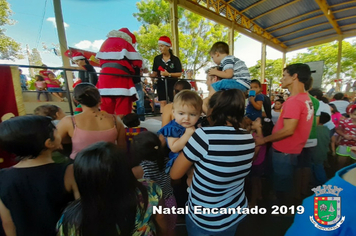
(255, 103)
(234, 73)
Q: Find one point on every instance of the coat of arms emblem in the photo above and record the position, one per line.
(327, 208)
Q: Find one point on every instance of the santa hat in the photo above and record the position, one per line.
(123, 33)
(120, 45)
(74, 55)
(165, 40)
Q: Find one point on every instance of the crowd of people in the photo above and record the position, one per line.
(99, 173)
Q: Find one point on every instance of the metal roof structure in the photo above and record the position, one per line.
(285, 25)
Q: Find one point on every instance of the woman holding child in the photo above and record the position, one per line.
(222, 157)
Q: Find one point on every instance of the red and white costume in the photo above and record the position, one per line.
(117, 55)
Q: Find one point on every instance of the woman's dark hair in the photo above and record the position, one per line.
(316, 93)
(325, 100)
(131, 120)
(229, 107)
(47, 110)
(171, 52)
(338, 96)
(280, 100)
(147, 146)
(86, 94)
(182, 85)
(267, 126)
(335, 110)
(108, 190)
(25, 136)
(214, 98)
(39, 78)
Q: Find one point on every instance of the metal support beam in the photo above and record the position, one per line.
(297, 31)
(174, 26)
(251, 6)
(339, 55)
(343, 3)
(324, 6)
(231, 39)
(296, 23)
(62, 39)
(292, 19)
(212, 9)
(321, 40)
(263, 63)
(284, 61)
(344, 9)
(275, 9)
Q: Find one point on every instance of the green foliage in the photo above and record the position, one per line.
(196, 34)
(325, 52)
(328, 53)
(35, 60)
(273, 71)
(9, 49)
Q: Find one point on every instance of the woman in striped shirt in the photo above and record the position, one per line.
(222, 157)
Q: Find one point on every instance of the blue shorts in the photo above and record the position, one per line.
(283, 170)
(226, 84)
(55, 90)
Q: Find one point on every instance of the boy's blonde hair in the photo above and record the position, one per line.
(189, 98)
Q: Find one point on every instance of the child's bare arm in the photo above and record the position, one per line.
(257, 105)
(226, 74)
(138, 172)
(177, 144)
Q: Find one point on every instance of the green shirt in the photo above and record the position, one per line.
(322, 148)
(312, 140)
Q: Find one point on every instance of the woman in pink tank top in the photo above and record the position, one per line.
(92, 125)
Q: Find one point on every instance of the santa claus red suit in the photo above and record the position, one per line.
(117, 55)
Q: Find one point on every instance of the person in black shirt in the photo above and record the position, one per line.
(79, 59)
(166, 65)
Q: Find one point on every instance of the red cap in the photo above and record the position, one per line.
(165, 40)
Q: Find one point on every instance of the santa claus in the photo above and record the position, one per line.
(117, 55)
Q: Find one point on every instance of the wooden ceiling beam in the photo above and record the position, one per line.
(324, 6)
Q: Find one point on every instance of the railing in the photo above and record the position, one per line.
(98, 73)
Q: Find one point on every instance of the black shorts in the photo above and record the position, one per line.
(161, 89)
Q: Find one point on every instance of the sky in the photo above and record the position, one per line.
(87, 23)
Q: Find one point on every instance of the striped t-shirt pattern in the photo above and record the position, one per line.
(241, 72)
(152, 172)
(222, 158)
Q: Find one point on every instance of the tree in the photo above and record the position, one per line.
(196, 34)
(9, 48)
(325, 52)
(328, 53)
(273, 71)
(35, 59)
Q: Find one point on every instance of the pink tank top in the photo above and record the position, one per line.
(84, 138)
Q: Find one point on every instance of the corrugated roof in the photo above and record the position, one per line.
(296, 22)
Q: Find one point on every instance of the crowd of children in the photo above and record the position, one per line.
(120, 174)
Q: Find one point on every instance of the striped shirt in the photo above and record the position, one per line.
(241, 72)
(222, 159)
(152, 172)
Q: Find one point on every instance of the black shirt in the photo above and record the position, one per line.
(88, 77)
(35, 196)
(172, 66)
